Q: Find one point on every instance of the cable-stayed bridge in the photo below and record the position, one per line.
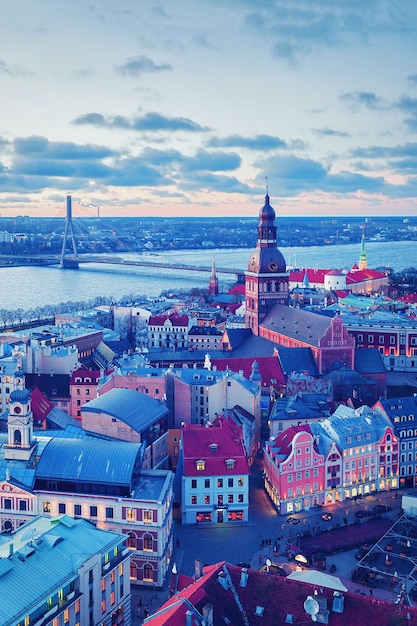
(70, 259)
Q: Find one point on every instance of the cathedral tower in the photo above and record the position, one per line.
(266, 279)
(214, 283)
(363, 263)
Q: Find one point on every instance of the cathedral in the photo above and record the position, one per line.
(266, 279)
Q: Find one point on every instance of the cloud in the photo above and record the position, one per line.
(412, 78)
(294, 29)
(292, 175)
(409, 106)
(134, 66)
(207, 181)
(259, 142)
(14, 71)
(211, 161)
(330, 132)
(148, 122)
(356, 100)
(42, 148)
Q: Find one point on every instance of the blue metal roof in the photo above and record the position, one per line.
(135, 409)
(89, 459)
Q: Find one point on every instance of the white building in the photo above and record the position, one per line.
(64, 572)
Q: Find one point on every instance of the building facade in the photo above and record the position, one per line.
(215, 479)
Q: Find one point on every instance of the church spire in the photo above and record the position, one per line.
(363, 263)
(214, 283)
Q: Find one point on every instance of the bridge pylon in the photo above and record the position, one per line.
(69, 262)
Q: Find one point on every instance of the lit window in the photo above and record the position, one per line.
(147, 517)
(131, 515)
(200, 465)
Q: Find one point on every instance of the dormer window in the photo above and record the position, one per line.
(200, 465)
(230, 463)
(213, 447)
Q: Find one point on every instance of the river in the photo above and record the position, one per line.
(31, 287)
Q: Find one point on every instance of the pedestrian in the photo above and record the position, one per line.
(146, 611)
(140, 601)
(177, 543)
(138, 612)
(371, 593)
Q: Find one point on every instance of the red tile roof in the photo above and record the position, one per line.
(226, 435)
(269, 368)
(269, 600)
(175, 319)
(41, 406)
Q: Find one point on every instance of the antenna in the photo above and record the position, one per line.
(267, 188)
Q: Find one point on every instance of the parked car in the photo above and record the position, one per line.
(327, 516)
(361, 513)
(381, 508)
(293, 520)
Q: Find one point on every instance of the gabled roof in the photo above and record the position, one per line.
(268, 600)
(269, 368)
(293, 408)
(175, 319)
(237, 336)
(214, 445)
(369, 361)
(297, 360)
(299, 324)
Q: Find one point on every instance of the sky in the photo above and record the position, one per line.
(198, 107)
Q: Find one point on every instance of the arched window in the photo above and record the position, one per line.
(17, 437)
(131, 541)
(148, 542)
(148, 572)
(133, 571)
(8, 526)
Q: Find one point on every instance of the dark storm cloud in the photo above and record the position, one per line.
(148, 122)
(259, 142)
(134, 66)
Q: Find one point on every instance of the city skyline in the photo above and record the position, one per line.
(198, 107)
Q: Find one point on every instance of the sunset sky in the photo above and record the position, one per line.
(186, 107)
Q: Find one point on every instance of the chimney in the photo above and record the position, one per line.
(244, 577)
(188, 618)
(197, 569)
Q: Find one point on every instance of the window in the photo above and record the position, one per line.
(290, 477)
(381, 339)
(148, 543)
(316, 471)
(307, 474)
(77, 510)
(22, 505)
(220, 499)
(61, 508)
(230, 482)
(220, 482)
(93, 511)
(109, 512)
(193, 499)
(298, 476)
(206, 499)
(7, 503)
(131, 515)
(240, 481)
(194, 483)
(147, 517)
(240, 497)
(230, 498)
(230, 463)
(46, 507)
(370, 339)
(207, 483)
(200, 465)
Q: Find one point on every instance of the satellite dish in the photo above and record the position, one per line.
(268, 562)
(311, 607)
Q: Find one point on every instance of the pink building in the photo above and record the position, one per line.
(294, 470)
(83, 388)
(168, 331)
